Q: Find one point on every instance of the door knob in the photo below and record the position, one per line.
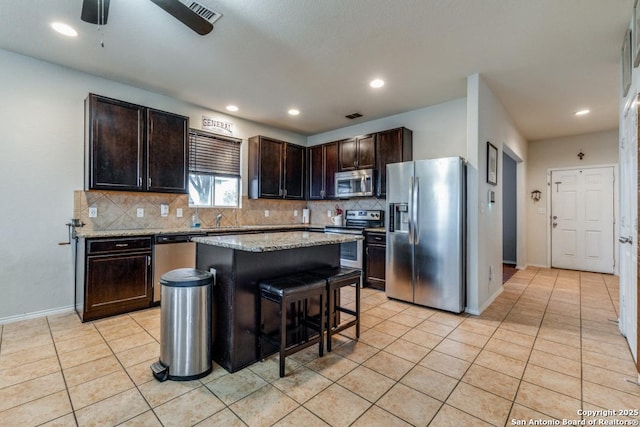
(555, 224)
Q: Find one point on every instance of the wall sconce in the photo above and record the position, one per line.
(580, 155)
(536, 195)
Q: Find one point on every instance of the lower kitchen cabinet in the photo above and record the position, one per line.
(375, 260)
(113, 276)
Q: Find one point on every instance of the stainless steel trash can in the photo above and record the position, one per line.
(185, 325)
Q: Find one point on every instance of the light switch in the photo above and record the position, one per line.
(542, 210)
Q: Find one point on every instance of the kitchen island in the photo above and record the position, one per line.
(240, 263)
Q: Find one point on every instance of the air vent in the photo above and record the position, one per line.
(202, 11)
(353, 116)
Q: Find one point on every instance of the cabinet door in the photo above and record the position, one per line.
(375, 266)
(392, 146)
(316, 172)
(366, 152)
(167, 152)
(115, 140)
(294, 172)
(348, 154)
(330, 169)
(270, 164)
(116, 284)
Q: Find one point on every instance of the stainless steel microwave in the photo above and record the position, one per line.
(358, 183)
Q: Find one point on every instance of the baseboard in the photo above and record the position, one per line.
(536, 266)
(486, 304)
(33, 315)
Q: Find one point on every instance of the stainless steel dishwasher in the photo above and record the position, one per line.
(171, 251)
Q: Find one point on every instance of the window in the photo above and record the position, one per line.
(214, 170)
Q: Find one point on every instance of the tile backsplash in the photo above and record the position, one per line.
(117, 210)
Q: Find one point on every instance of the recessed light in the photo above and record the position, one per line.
(64, 29)
(232, 108)
(582, 112)
(376, 83)
(293, 112)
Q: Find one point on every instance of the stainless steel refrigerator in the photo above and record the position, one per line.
(426, 233)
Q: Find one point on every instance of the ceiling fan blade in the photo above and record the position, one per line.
(185, 15)
(95, 11)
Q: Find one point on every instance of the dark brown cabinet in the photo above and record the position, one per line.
(375, 260)
(134, 148)
(114, 276)
(323, 164)
(167, 153)
(392, 146)
(357, 153)
(276, 169)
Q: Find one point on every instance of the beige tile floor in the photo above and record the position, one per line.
(545, 349)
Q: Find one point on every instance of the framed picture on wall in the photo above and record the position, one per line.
(626, 63)
(492, 164)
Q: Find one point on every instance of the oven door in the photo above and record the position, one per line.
(351, 254)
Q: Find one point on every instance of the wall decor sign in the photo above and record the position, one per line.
(635, 33)
(217, 126)
(626, 63)
(492, 164)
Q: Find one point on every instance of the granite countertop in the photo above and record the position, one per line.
(267, 242)
(376, 229)
(86, 233)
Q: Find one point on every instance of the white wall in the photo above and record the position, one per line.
(438, 131)
(487, 120)
(41, 164)
(600, 148)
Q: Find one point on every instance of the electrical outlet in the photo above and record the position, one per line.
(266, 213)
(295, 212)
(140, 212)
(164, 209)
(93, 212)
(179, 213)
(329, 214)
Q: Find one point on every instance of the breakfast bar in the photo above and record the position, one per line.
(240, 262)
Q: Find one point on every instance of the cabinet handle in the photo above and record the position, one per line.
(140, 182)
(149, 182)
(122, 245)
(148, 261)
(285, 192)
(366, 251)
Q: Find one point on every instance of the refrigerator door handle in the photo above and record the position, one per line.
(410, 209)
(416, 207)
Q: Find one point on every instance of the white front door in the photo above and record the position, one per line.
(582, 219)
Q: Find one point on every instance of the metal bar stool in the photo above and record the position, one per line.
(297, 290)
(336, 278)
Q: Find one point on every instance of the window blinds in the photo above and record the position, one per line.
(213, 154)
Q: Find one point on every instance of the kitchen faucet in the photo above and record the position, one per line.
(218, 218)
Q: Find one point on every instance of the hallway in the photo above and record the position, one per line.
(547, 348)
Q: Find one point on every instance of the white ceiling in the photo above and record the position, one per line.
(544, 59)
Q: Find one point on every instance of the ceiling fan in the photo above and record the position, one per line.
(191, 13)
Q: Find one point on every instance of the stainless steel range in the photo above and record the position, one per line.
(351, 254)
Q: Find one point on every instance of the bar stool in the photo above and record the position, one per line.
(295, 289)
(336, 278)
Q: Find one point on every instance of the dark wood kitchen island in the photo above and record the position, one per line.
(240, 262)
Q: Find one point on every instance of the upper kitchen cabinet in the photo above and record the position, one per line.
(276, 169)
(392, 146)
(357, 153)
(323, 164)
(134, 148)
(167, 152)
